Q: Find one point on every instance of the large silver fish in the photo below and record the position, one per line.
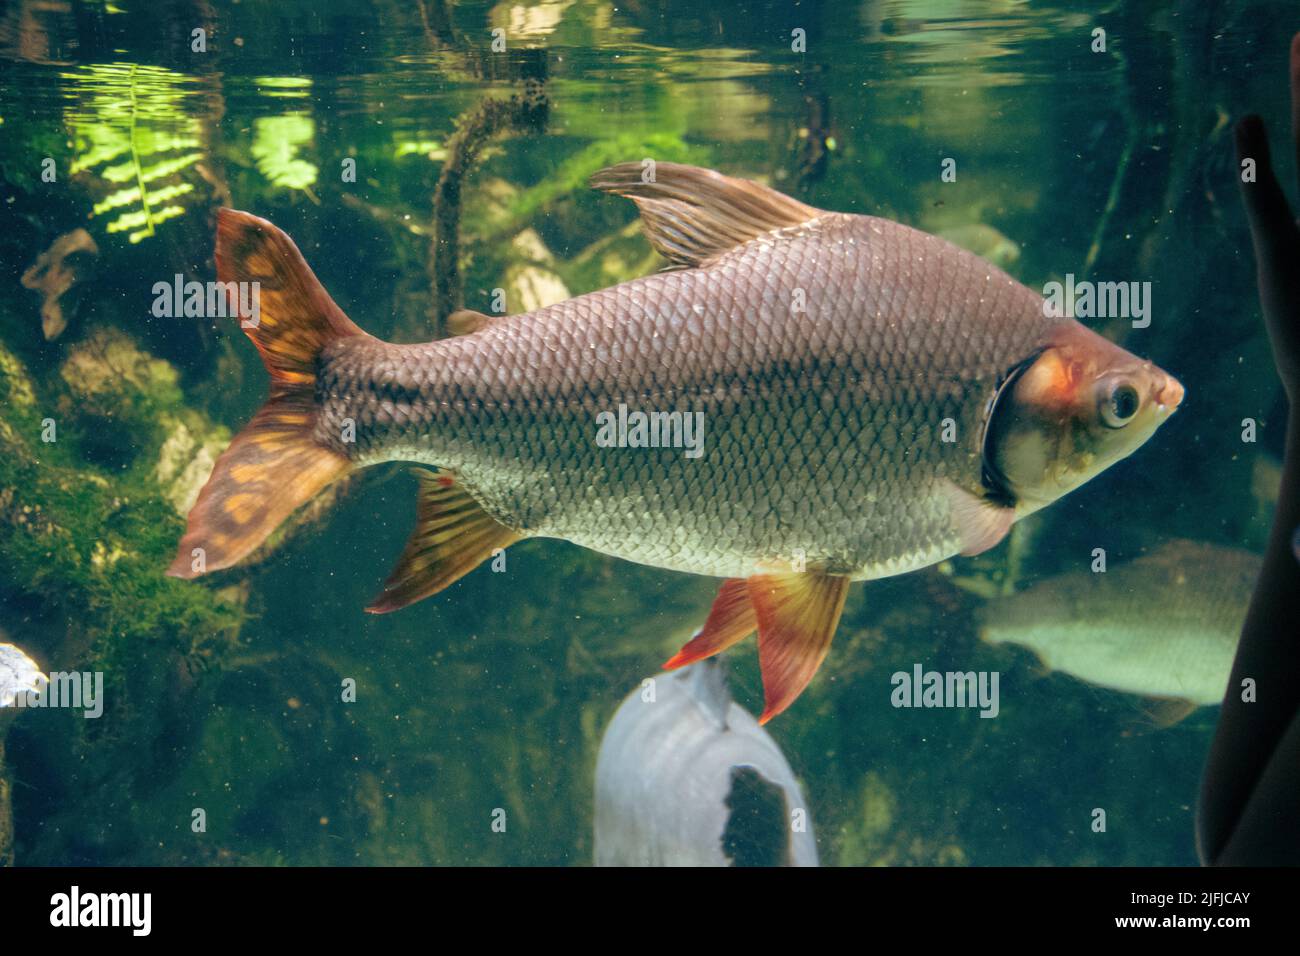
(686, 777)
(810, 398)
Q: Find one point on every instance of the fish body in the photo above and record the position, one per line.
(1163, 625)
(822, 431)
(687, 777)
(833, 397)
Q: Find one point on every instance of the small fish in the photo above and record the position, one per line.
(809, 398)
(689, 778)
(1163, 625)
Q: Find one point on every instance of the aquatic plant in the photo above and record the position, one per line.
(130, 132)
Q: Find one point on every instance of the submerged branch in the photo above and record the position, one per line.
(522, 112)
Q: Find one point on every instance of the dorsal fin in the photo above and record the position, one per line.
(708, 685)
(692, 215)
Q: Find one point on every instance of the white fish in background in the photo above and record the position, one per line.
(691, 779)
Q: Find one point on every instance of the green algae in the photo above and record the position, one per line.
(88, 546)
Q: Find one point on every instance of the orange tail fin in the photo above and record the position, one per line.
(275, 464)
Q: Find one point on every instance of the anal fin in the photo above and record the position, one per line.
(981, 523)
(731, 619)
(453, 535)
(797, 616)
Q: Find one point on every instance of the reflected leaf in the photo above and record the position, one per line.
(276, 142)
(129, 129)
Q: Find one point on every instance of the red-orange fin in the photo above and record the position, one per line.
(295, 318)
(797, 616)
(453, 535)
(731, 619)
(276, 463)
(981, 523)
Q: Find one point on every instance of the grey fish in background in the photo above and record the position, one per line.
(691, 779)
(810, 398)
(985, 241)
(1163, 625)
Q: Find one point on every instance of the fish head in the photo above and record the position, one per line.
(1076, 408)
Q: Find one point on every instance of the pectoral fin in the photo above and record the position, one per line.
(453, 535)
(797, 616)
(981, 523)
(1170, 711)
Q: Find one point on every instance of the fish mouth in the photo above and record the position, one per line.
(1168, 395)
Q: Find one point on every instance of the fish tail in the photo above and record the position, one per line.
(278, 461)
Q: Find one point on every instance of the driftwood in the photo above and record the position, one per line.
(522, 112)
(52, 274)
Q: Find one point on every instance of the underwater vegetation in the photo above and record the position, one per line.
(425, 174)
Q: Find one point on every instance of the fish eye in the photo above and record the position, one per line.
(1119, 405)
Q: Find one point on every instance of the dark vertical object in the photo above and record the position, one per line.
(525, 111)
(1248, 812)
(814, 150)
(757, 832)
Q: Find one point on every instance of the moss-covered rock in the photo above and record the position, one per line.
(86, 545)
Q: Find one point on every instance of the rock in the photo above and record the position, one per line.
(18, 674)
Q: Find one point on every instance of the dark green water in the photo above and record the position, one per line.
(225, 695)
